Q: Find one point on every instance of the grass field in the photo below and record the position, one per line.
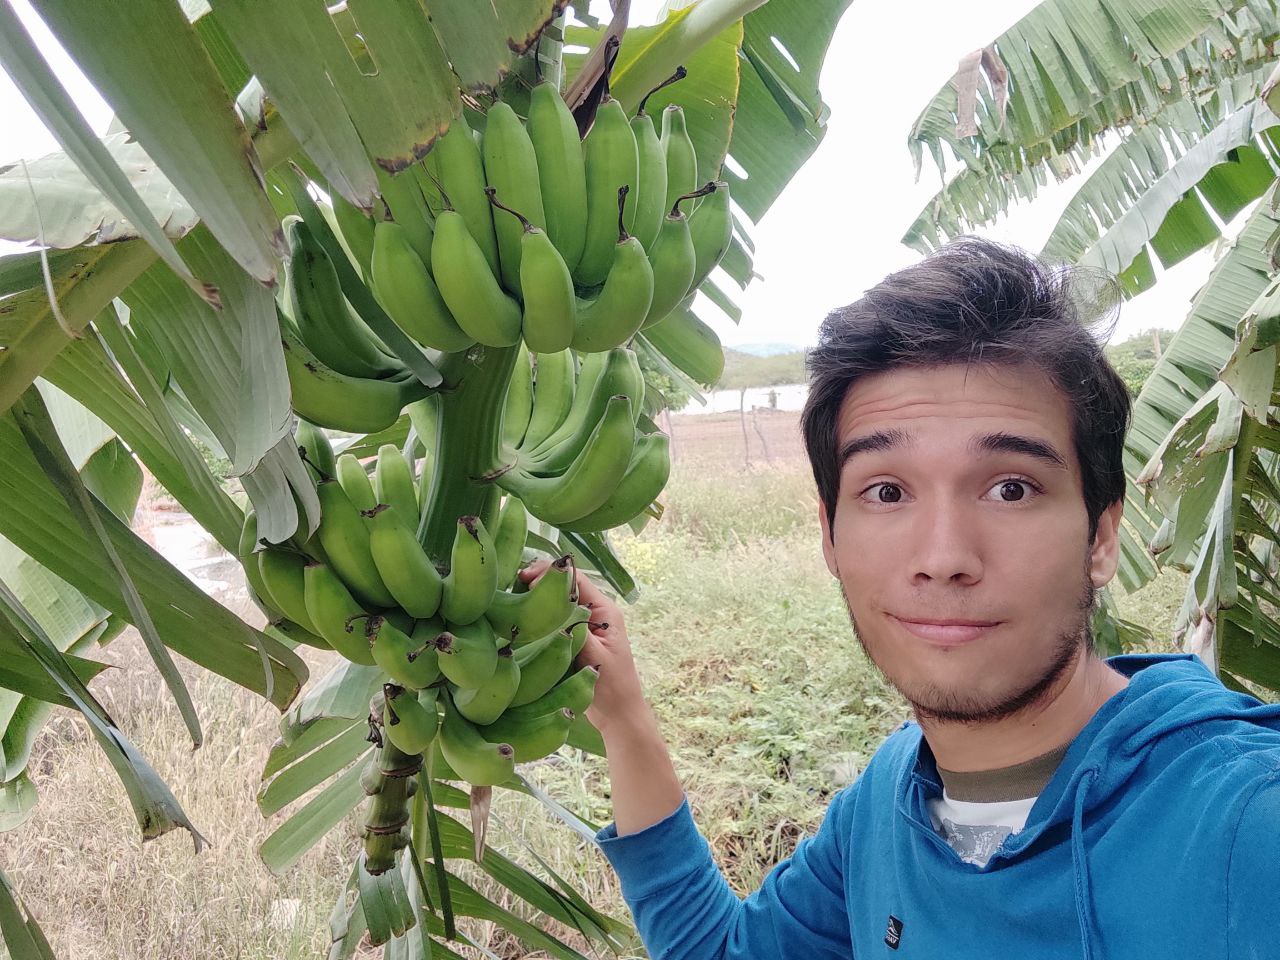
(745, 650)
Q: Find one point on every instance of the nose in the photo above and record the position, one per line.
(947, 543)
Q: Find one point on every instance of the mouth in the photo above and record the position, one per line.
(947, 633)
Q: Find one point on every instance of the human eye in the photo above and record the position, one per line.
(1036, 489)
(889, 485)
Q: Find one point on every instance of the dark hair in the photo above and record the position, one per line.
(977, 301)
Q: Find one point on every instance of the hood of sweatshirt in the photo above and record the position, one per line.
(1166, 693)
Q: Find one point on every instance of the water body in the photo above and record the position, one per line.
(787, 396)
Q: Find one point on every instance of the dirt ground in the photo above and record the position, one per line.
(733, 441)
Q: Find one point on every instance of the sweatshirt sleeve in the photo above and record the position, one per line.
(684, 908)
(1253, 864)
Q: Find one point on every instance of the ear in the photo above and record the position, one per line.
(828, 546)
(1105, 554)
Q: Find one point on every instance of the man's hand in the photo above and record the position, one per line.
(619, 701)
(644, 785)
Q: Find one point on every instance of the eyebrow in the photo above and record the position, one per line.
(987, 443)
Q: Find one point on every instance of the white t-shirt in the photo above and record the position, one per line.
(978, 810)
(976, 830)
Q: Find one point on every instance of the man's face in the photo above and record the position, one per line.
(932, 527)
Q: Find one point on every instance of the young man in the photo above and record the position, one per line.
(965, 432)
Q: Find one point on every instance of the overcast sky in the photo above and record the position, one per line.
(835, 230)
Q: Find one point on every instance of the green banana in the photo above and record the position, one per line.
(553, 378)
(355, 482)
(618, 311)
(245, 554)
(473, 573)
(590, 369)
(589, 480)
(544, 608)
(573, 693)
(508, 541)
(562, 174)
(584, 736)
(469, 754)
(674, 260)
(652, 177)
(281, 574)
(485, 703)
(511, 168)
(397, 653)
(711, 227)
(621, 375)
(355, 231)
(334, 612)
(326, 324)
(455, 162)
(405, 289)
(689, 344)
(651, 189)
(519, 402)
(467, 653)
(579, 633)
(345, 539)
(407, 571)
(319, 453)
(542, 664)
(330, 399)
(531, 739)
(393, 484)
(611, 162)
(407, 721)
(425, 634)
(682, 159)
(546, 287)
(477, 301)
(408, 208)
(646, 476)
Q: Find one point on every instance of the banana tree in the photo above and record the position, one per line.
(402, 272)
(1176, 94)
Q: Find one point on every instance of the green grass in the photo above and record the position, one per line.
(746, 654)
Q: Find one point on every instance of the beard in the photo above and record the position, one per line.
(940, 704)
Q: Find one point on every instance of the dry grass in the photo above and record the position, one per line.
(746, 653)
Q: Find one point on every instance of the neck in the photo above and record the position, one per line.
(1052, 721)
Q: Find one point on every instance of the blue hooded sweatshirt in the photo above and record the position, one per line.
(1157, 837)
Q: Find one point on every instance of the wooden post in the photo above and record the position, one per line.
(742, 416)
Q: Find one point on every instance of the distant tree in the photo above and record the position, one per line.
(1135, 358)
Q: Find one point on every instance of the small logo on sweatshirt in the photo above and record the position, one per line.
(894, 935)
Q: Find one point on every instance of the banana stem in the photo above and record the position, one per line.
(444, 197)
(388, 811)
(302, 452)
(469, 442)
(623, 190)
(492, 194)
(711, 186)
(680, 74)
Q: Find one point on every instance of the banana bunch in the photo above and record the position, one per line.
(527, 232)
(340, 374)
(578, 459)
(476, 676)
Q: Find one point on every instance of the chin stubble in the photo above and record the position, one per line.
(951, 706)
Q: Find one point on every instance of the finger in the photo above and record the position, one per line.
(534, 571)
(592, 654)
(589, 595)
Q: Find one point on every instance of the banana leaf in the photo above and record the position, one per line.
(1014, 116)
